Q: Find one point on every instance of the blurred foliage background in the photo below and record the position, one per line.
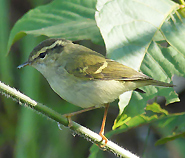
(24, 133)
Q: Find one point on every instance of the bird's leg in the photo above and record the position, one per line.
(101, 133)
(68, 116)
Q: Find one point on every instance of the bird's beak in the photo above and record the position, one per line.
(23, 65)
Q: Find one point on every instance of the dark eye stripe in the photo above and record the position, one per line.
(42, 55)
(56, 48)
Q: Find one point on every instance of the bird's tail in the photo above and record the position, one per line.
(159, 83)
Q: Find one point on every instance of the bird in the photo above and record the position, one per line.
(84, 77)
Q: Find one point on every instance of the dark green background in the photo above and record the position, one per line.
(24, 133)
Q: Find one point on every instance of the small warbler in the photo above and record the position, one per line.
(84, 77)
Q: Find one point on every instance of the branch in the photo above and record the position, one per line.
(76, 128)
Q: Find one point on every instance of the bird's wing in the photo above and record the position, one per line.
(94, 66)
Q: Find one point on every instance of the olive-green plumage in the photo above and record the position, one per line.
(84, 77)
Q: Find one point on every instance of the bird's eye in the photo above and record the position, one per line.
(42, 55)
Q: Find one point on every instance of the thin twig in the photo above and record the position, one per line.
(76, 128)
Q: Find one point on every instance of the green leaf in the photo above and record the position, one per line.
(93, 151)
(134, 33)
(70, 19)
(152, 112)
(170, 138)
(174, 128)
(156, 108)
(182, 10)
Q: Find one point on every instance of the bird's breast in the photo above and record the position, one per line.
(85, 93)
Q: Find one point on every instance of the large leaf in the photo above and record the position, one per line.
(70, 19)
(133, 32)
